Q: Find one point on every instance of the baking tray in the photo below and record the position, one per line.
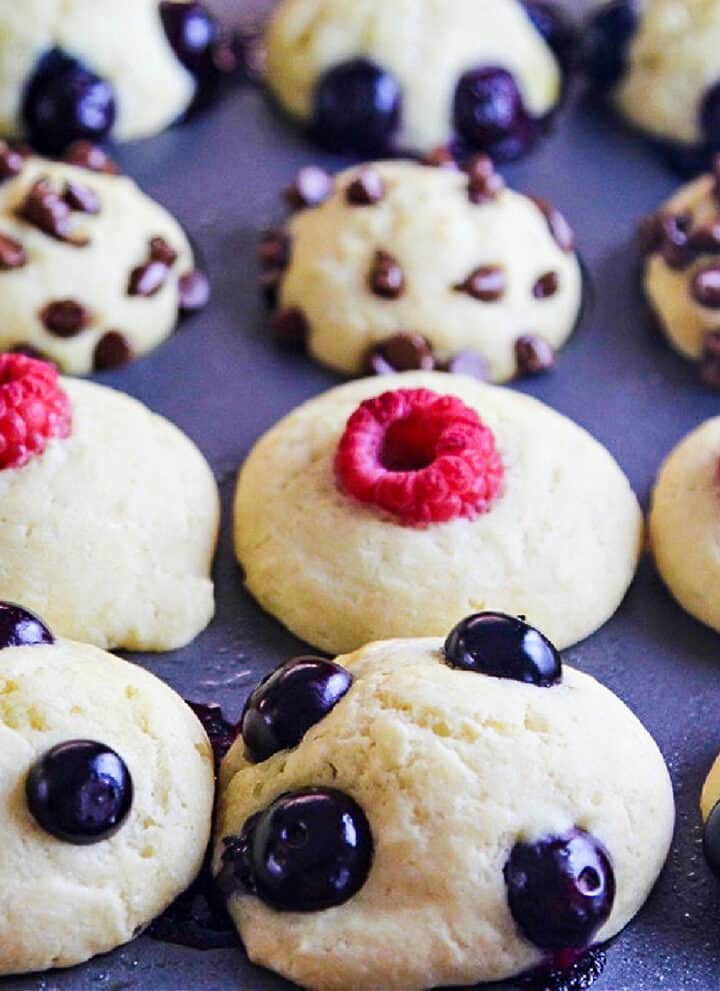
(221, 379)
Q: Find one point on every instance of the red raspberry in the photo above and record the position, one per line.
(33, 408)
(424, 458)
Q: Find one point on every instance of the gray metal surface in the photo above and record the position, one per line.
(223, 382)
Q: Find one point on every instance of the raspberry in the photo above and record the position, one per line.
(33, 408)
(422, 457)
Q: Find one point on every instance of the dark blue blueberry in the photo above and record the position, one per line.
(503, 646)
(220, 732)
(490, 116)
(553, 23)
(80, 792)
(358, 107)
(64, 102)
(308, 851)
(21, 628)
(560, 890)
(711, 840)
(286, 704)
(710, 117)
(610, 33)
(192, 32)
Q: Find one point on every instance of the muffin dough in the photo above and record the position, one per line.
(559, 546)
(670, 289)
(452, 768)
(427, 223)
(427, 45)
(110, 534)
(126, 45)
(59, 903)
(685, 523)
(96, 275)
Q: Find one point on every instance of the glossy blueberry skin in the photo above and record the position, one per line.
(610, 33)
(357, 108)
(80, 792)
(309, 851)
(555, 27)
(711, 840)
(21, 628)
(489, 114)
(503, 647)
(560, 890)
(64, 102)
(192, 32)
(285, 705)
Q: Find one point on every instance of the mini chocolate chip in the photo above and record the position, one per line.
(387, 279)
(484, 183)
(706, 287)
(404, 352)
(86, 155)
(81, 198)
(650, 233)
(291, 328)
(560, 229)
(533, 355)
(468, 363)
(161, 251)
(148, 279)
(312, 186)
(366, 189)
(12, 253)
(45, 209)
(65, 317)
(112, 351)
(441, 158)
(546, 286)
(194, 287)
(674, 248)
(705, 240)
(270, 281)
(710, 360)
(487, 283)
(274, 248)
(12, 161)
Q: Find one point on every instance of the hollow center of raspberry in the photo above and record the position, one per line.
(409, 444)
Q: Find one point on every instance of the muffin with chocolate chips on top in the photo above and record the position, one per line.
(396, 266)
(93, 273)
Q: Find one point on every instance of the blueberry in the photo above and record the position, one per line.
(64, 102)
(610, 33)
(308, 851)
(711, 840)
(286, 704)
(710, 117)
(503, 647)
(554, 25)
(220, 732)
(192, 32)
(560, 890)
(80, 792)
(21, 628)
(357, 108)
(490, 115)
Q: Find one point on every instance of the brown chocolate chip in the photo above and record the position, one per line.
(291, 328)
(468, 363)
(81, 198)
(86, 155)
(484, 183)
(440, 158)
(12, 161)
(274, 249)
(12, 253)
(705, 240)
(65, 317)
(45, 209)
(161, 251)
(148, 279)
(487, 283)
(559, 227)
(710, 360)
(387, 278)
(112, 351)
(404, 352)
(706, 287)
(194, 287)
(312, 186)
(546, 286)
(270, 281)
(366, 189)
(533, 355)
(674, 247)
